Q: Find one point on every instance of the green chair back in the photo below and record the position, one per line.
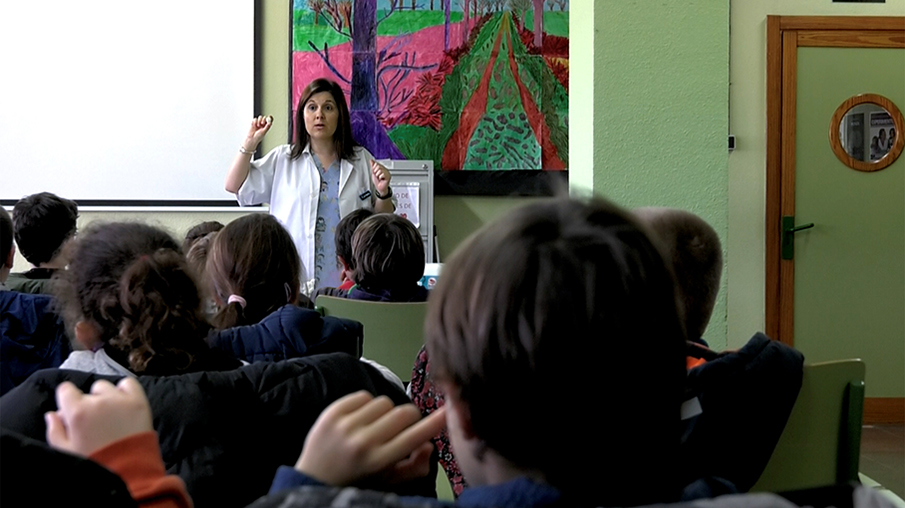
(393, 332)
(821, 443)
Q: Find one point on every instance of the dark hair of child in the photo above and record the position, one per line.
(6, 236)
(344, 231)
(693, 248)
(132, 282)
(196, 257)
(561, 335)
(198, 232)
(388, 253)
(43, 222)
(253, 268)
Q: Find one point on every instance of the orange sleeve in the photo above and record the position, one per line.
(692, 362)
(136, 459)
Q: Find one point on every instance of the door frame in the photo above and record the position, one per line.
(785, 34)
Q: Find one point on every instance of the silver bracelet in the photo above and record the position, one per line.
(243, 150)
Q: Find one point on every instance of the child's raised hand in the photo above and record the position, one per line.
(360, 437)
(85, 423)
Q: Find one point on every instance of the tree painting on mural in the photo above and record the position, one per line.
(469, 84)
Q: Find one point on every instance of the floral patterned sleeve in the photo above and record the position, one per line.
(428, 399)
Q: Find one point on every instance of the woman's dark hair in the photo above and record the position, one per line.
(198, 232)
(342, 138)
(131, 280)
(561, 334)
(253, 257)
(388, 253)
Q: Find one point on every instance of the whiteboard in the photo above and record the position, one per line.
(124, 101)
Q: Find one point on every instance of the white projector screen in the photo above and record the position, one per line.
(112, 102)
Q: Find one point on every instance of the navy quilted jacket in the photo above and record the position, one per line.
(290, 332)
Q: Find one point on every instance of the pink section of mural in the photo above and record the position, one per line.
(427, 43)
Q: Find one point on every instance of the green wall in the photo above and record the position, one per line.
(659, 80)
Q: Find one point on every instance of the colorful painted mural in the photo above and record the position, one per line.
(469, 84)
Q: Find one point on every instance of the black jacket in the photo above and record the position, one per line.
(746, 398)
(32, 337)
(224, 433)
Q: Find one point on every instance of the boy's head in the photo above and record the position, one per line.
(198, 232)
(560, 348)
(388, 253)
(43, 223)
(7, 249)
(344, 231)
(198, 252)
(694, 251)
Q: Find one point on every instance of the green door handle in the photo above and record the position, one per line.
(788, 235)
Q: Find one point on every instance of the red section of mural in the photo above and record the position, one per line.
(549, 157)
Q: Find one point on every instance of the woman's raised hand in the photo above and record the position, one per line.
(259, 127)
(380, 175)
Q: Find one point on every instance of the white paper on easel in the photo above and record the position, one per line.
(407, 201)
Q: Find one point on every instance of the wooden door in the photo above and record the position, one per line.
(843, 293)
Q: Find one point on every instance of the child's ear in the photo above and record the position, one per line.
(461, 416)
(346, 273)
(87, 334)
(12, 257)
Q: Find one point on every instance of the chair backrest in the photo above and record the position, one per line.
(393, 332)
(821, 442)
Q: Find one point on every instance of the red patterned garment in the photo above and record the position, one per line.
(428, 399)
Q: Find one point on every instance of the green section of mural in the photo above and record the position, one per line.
(400, 22)
(503, 138)
(417, 143)
(406, 22)
(549, 95)
(555, 23)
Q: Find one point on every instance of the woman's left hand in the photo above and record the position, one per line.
(380, 175)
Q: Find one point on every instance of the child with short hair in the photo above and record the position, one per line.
(749, 392)
(133, 304)
(7, 248)
(388, 258)
(43, 224)
(344, 231)
(516, 337)
(692, 247)
(198, 232)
